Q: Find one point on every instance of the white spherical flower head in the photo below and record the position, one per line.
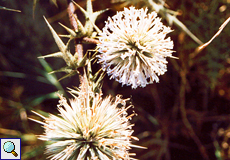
(89, 128)
(134, 47)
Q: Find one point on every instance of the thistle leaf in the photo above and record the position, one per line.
(57, 54)
(67, 56)
(57, 39)
(90, 17)
(70, 31)
(74, 91)
(83, 61)
(89, 7)
(81, 28)
(55, 2)
(72, 73)
(94, 15)
(64, 69)
(34, 6)
(9, 9)
(65, 36)
(82, 9)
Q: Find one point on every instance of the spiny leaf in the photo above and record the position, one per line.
(57, 54)
(64, 69)
(74, 91)
(35, 3)
(81, 28)
(72, 73)
(82, 9)
(55, 2)
(57, 39)
(70, 31)
(65, 36)
(89, 7)
(34, 6)
(95, 76)
(94, 16)
(90, 17)
(83, 61)
(67, 56)
(9, 9)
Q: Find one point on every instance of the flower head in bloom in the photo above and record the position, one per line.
(134, 47)
(89, 128)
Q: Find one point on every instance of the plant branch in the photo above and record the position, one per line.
(159, 8)
(71, 10)
(184, 116)
(73, 22)
(78, 42)
(91, 40)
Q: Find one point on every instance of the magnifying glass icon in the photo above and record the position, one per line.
(9, 147)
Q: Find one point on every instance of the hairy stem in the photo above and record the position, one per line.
(78, 42)
(71, 10)
(73, 22)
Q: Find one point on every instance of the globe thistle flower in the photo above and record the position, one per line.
(134, 47)
(89, 128)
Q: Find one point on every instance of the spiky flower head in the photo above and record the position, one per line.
(89, 128)
(134, 47)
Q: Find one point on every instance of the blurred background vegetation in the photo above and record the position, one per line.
(184, 117)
